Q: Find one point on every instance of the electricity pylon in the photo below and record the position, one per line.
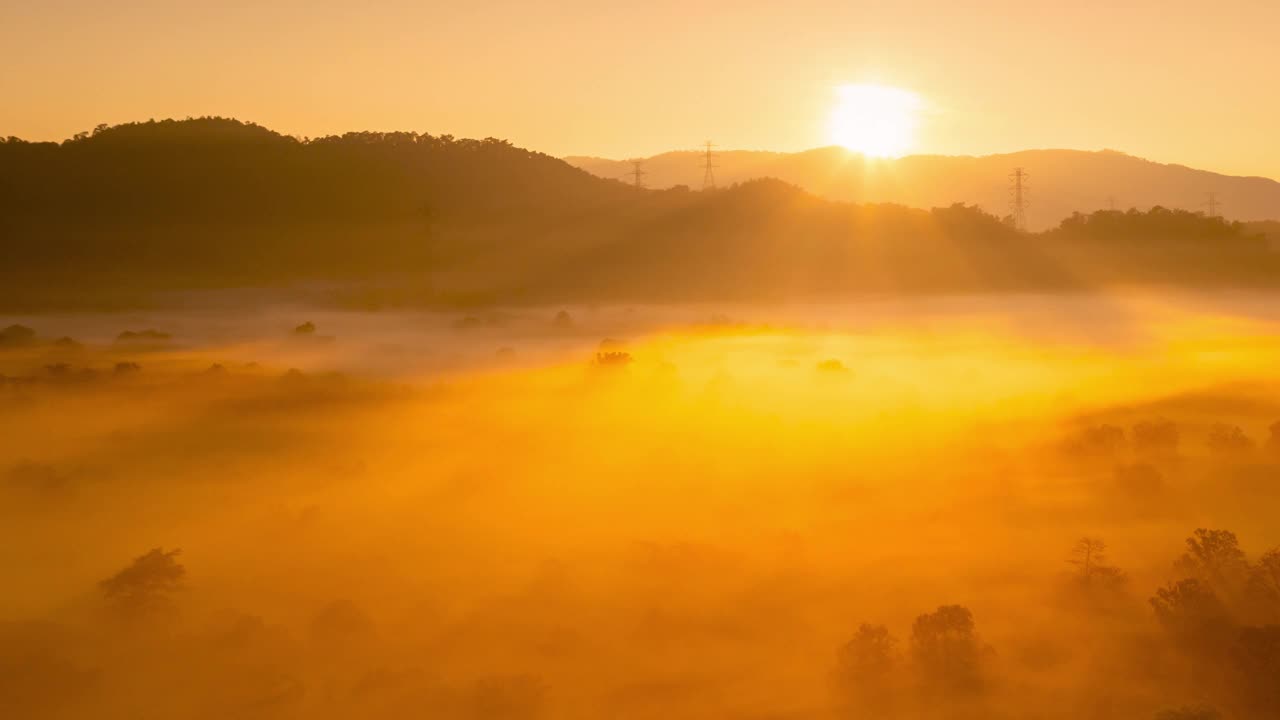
(637, 173)
(1018, 197)
(1213, 204)
(708, 167)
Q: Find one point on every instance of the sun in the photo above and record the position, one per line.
(875, 120)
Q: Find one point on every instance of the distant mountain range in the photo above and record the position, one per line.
(1061, 181)
(105, 218)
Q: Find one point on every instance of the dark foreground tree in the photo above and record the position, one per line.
(1263, 589)
(1255, 660)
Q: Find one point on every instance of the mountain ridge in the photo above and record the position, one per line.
(422, 219)
(1063, 181)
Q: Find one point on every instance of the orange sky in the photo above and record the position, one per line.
(1175, 81)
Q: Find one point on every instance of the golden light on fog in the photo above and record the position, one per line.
(875, 120)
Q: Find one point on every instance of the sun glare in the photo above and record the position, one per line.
(875, 120)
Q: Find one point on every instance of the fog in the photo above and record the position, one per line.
(796, 511)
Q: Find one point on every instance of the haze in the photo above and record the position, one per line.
(1165, 80)
(452, 361)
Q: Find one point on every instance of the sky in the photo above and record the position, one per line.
(1173, 81)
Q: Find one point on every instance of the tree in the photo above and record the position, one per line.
(1255, 658)
(1140, 479)
(864, 665)
(1090, 556)
(1193, 615)
(511, 697)
(613, 359)
(1158, 436)
(945, 649)
(17, 336)
(1087, 555)
(1273, 441)
(1215, 557)
(341, 622)
(1224, 438)
(147, 584)
(1263, 586)
(1098, 440)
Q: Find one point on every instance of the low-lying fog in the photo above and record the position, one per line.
(885, 510)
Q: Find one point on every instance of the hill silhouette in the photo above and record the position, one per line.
(1062, 181)
(412, 218)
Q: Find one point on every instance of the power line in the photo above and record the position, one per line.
(1019, 198)
(708, 166)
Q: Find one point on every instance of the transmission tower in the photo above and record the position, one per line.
(1018, 197)
(1111, 202)
(708, 167)
(1213, 204)
(637, 173)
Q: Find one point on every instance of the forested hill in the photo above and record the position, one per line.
(223, 201)
(218, 170)
(220, 203)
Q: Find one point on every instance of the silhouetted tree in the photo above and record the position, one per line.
(1215, 557)
(1087, 555)
(1140, 479)
(36, 477)
(1090, 558)
(1263, 587)
(143, 336)
(613, 359)
(17, 336)
(147, 584)
(58, 370)
(339, 623)
(945, 649)
(126, 368)
(1224, 438)
(832, 366)
(1255, 658)
(1158, 436)
(1193, 615)
(1180, 228)
(1273, 440)
(1102, 440)
(864, 665)
(514, 697)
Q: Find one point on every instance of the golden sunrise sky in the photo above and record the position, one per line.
(1174, 81)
